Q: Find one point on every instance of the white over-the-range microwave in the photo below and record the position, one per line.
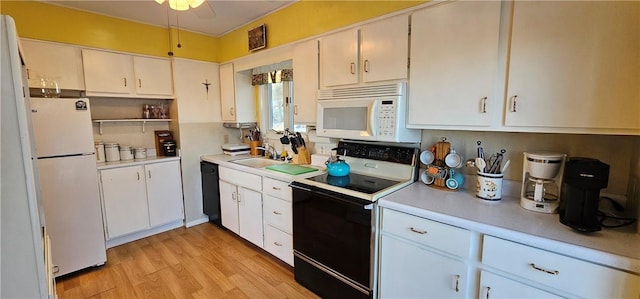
(371, 113)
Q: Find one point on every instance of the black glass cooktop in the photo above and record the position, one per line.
(356, 182)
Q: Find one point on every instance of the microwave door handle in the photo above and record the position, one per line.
(372, 118)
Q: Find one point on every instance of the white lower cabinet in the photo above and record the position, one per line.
(136, 198)
(409, 271)
(493, 286)
(428, 259)
(241, 207)
(420, 258)
(278, 219)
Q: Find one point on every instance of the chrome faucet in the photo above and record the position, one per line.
(269, 151)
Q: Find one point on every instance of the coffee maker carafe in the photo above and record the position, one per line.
(541, 181)
(583, 179)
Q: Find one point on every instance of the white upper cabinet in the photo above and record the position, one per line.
(575, 65)
(197, 90)
(227, 92)
(237, 100)
(454, 60)
(305, 87)
(375, 52)
(153, 76)
(121, 75)
(384, 49)
(47, 60)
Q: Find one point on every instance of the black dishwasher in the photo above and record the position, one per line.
(211, 191)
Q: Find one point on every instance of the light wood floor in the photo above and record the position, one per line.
(202, 261)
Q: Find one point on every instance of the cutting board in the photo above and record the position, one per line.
(291, 169)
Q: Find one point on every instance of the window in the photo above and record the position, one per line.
(278, 101)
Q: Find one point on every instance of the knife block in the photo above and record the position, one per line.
(303, 156)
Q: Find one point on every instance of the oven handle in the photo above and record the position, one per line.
(365, 204)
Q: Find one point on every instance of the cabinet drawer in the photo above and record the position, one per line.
(278, 243)
(277, 212)
(559, 271)
(277, 188)
(431, 233)
(236, 177)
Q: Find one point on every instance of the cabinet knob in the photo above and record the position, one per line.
(149, 171)
(277, 244)
(366, 66)
(139, 83)
(125, 81)
(276, 188)
(457, 283)
(295, 109)
(352, 68)
(487, 294)
(277, 213)
(514, 100)
(138, 173)
(231, 111)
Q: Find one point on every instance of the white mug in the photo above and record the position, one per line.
(427, 178)
(427, 157)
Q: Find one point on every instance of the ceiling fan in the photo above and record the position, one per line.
(182, 5)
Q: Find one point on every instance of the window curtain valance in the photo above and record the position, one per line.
(272, 73)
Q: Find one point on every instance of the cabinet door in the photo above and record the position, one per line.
(575, 65)
(164, 192)
(124, 197)
(407, 271)
(454, 58)
(54, 61)
(227, 92)
(305, 87)
(494, 286)
(108, 72)
(229, 207)
(250, 215)
(153, 76)
(385, 49)
(339, 60)
(197, 102)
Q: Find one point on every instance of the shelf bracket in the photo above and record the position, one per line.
(143, 126)
(100, 127)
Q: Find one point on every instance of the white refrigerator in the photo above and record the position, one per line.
(69, 182)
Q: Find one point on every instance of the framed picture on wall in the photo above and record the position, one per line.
(258, 38)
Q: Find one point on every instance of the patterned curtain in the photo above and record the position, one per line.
(273, 73)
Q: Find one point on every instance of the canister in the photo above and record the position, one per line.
(140, 153)
(100, 156)
(112, 151)
(126, 153)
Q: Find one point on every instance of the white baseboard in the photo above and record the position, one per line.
(143, 234)
(203, 219)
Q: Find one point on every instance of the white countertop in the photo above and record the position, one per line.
(227, 161)
(149, 160)
(618, 248)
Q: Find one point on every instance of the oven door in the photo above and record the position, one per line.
(332, 242)
(347, 118)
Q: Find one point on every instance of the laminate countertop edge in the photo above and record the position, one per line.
(617, 248)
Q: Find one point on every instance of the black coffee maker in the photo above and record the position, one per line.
(583, 178)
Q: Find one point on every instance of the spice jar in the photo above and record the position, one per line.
(140, 153)
(126, 153)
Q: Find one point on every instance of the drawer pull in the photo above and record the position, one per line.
(488, 289)
(277, 244)
(457, 283)
(552, 272)
(422, 232)
(276, 188)
(277, 213)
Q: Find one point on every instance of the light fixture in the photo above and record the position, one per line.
(182, 4)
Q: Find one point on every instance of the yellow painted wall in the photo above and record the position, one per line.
(304, 19)
(300, 20)
(55, 23)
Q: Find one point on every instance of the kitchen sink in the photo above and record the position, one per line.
(257, 162)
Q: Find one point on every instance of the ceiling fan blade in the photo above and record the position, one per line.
(205, 11)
